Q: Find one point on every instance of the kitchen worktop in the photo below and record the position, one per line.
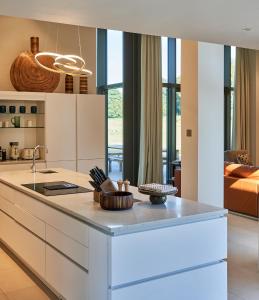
(143, 216)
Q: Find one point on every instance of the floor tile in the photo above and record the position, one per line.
(31, 293)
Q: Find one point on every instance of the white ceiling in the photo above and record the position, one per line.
(219, 21)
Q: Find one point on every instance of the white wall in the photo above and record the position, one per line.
(15, 37)
(202, 90)
(210, 123)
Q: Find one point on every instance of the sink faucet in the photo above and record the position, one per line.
(33, 167)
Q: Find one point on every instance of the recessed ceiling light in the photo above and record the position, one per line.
(247, 29)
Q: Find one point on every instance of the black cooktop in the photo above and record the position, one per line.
(56, 188)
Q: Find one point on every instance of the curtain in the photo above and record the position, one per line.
(242, 100)
(150, 160)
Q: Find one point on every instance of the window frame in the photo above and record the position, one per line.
(172, 88)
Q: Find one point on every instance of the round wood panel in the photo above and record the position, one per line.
(27, 76)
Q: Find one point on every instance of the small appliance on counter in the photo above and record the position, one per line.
(14, 150)
(27, 153)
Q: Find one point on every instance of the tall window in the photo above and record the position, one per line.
(110, 83)
(229, 87)
(171, 77)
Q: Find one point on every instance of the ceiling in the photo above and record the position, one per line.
(219, 21)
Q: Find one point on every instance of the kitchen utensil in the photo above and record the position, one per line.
(12, 109)
(16, 121)
(29, 123)
(14, 150)
(3, 154)
(101, 181)
(116, 200)
(6, 124)
(2, 109)
(120, 184)
(126, 185)
(97, 196)
(22, 109)
(33, 109)
(27, 153)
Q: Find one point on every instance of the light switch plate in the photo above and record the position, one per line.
(188, 132)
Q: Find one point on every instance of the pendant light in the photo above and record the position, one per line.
(69, 64)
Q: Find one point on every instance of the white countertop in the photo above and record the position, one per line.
(143, 215)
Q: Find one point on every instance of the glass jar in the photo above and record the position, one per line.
(14, 150)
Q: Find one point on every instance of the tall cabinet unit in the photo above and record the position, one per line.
(90, 132)
(61, 131)
(71, 126)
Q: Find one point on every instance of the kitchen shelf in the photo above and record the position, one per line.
(21, 127)
(21, 161)
(27, 114)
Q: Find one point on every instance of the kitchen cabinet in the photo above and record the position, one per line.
(60, 129)
(23, 243)
(83, 252)
(90, 127)
(84, 166)
(65, 276)
(71, 126)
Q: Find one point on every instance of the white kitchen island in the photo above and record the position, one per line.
(163, 252)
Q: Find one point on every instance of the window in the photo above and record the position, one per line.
(229, 99)
(115, 103)
(171, 78)
(110, 83)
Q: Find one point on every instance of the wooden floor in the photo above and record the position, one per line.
(243, 275)
(15, 284)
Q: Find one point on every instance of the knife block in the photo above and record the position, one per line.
(97, 196)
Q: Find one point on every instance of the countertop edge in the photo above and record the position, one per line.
(126, 229)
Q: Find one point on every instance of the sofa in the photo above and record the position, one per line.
(241, 188)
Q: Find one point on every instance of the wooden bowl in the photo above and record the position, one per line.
(116, 201)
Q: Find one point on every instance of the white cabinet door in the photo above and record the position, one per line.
(208, 283)
(90, 126)
(179, 247)
(26, 245)
(65, 164)
(84, 166)
(60, 123)
(67, 278)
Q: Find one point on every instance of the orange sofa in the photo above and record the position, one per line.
(241, 188)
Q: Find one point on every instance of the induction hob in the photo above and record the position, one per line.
(56, 188)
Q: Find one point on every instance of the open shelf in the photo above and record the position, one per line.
(21, 127)
(20, 161)
(21, 114)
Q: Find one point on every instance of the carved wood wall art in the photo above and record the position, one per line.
(27, 76)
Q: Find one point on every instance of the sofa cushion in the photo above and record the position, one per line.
(243, 158)
(241, 171)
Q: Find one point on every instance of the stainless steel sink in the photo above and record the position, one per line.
(47, 172)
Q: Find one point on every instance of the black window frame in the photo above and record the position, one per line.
(172, 89)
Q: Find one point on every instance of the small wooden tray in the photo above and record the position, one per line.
(116, 200)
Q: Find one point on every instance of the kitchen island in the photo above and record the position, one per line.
(173, 251)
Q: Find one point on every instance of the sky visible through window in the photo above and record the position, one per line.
(115, 56)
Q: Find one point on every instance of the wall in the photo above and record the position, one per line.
(189, 117)
(202, 88)
(15, 37)
(210, 123)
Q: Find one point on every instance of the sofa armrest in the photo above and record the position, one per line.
(241, 195)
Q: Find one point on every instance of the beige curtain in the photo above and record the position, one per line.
(242, 97)
(150, 166)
